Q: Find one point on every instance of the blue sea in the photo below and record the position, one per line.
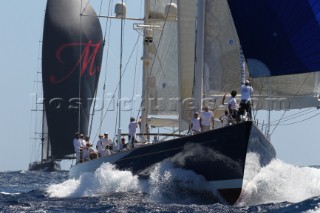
(278, 187)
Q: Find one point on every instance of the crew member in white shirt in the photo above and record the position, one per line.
(233, 107)
(100, 146)
(133, 125)
(246, 94)
(108, 143)
(195, 124)
(78, 144)
(206, 119)
(88, 151)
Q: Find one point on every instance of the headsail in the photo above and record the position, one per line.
(218, 53)
(280, 37)
(71, 60)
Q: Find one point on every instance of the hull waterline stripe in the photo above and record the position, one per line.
(226, 184)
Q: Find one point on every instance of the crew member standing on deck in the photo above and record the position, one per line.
(100, 146)
(245, 104)
(206, 119)
(133, 125)
(233, 107)
(78, 145)
(195, 124)
(108, 143)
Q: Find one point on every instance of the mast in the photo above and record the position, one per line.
(145, 92)
(43, 157)
(42, 139)
(120, 76)
(198, 77)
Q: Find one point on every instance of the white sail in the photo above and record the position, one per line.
(46, 148)
(163, 97)
(221, 63)
(186, 51)
(218, 69)
(286, 92)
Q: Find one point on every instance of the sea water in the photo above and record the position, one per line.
(277, 187)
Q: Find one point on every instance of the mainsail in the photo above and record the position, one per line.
(186, 51)
(163, 67)
(45, 148)
(71, 60)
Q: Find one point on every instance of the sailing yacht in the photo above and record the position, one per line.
(218, 155)
(195, 52)
(71, 61)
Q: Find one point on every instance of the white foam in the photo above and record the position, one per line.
(106, 179)
(275, 183)
(279, 182)
(9, 193)
(165, 183)
(169, 183)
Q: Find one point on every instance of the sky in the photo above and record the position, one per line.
(20, 56)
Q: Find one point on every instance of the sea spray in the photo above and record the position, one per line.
(165, 184)
(170, 184)
(280, 182)
(64, 189)
(275, 183)
(104, 180)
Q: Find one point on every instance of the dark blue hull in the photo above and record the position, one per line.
(218, 155)
(49, 166)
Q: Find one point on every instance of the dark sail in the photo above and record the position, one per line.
(71, 60)
(283, 35)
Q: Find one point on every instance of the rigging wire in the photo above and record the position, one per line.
(107, 29)
(116, 89)
(118, 85)
(87, 119)
(34, 126)
(153, 61)
(135, 77)
(308, 118)
(295, 115)
(285, 111)
(80, 66)
(96, 91)
(104, 85)
(134, 82)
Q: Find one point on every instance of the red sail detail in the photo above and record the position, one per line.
(86, 59)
